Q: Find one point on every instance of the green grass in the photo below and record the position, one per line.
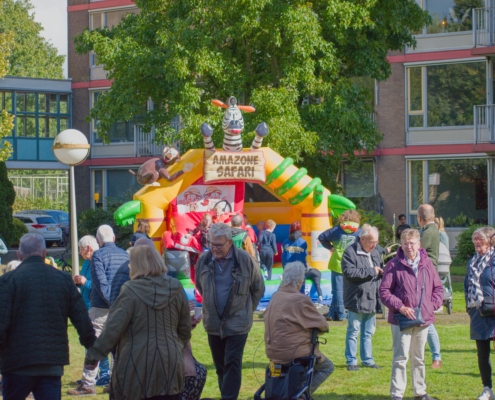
(458, 379)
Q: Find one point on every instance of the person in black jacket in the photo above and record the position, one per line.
(267, 246)
(362, 267)
(35, 302)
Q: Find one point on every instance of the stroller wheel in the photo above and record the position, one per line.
(449, 307)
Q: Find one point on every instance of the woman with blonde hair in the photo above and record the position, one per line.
(444, 238)
(143, 230)
(147, 365)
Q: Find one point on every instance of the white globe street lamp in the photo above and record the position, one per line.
(71, 148)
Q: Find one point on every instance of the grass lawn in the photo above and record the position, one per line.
(458, 379)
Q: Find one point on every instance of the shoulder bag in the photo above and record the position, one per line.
(406, 323)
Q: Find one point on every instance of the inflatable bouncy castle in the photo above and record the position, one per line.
(179, 190)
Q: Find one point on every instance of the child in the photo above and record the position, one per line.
(267, 245)
(142, 231)
(203, 228)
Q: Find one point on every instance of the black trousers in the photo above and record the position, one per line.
(227, 357)
(315, 276)
(484, 364)
(266, 258)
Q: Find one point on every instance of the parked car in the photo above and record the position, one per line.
(61, 217)
(43, 224)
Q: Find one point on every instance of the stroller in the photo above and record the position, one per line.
(290, 381)
(444, 261)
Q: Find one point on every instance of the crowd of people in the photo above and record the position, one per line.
(135, 321)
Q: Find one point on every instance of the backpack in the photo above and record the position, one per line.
(238, 239)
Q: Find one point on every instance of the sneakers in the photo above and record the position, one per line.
(106, 389)
(352, 368)
(82, 390)
(486, 394)
(396, 398)
(436, 364)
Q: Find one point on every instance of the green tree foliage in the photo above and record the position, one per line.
(6, 120)
(18, 230)
(7, 197)
(293, 60)
(31, 55)
(465, 247)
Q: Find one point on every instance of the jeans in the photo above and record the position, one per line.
(227, 357)
(484, 365)
(18, 387)
(322, 371)
(337, 309)
(434, 343)
(266, 259)
(413, 341)
(104, 368)
(98, 317)
(365, 325)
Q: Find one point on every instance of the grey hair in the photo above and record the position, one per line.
(293, 274)
(144, 242)
(219, 230)
(486, 232)
(368, 230)
(105, 234)
(32, 244)
(236, 220)
(12, 265)
(89, 241)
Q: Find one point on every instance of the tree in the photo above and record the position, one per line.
(7, 197)
(31, 55)
(293, 60)
(6, 120)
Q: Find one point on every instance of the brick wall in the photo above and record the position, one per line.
(391, 183)
(78, 21)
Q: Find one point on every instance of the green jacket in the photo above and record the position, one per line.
(430, 241)
(246, 292)
(149, 324)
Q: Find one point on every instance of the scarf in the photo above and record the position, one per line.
(476, 266)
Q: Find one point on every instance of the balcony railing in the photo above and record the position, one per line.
(484, 119)
(484, 26)
(144, 143)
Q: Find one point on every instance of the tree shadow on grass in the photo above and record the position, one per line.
(332, 396)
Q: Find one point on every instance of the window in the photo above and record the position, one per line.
(254, 193)
(120, 132)
(113, 186)
(456, 188)
(358, 179)
(444, 95)
(449, 16)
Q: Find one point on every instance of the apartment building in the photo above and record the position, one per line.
(437, 115)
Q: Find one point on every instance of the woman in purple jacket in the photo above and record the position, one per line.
(405, 277)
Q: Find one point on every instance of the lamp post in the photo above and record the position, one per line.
(71, 148)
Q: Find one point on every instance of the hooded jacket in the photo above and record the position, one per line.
(294, 248)
(360, 278)
(241, 239)
(337, 240)
(245, 293)
(400, 287)
(149, 325)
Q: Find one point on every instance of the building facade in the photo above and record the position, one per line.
(436, 113)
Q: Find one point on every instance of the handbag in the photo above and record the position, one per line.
(406, 323)
(487, 308)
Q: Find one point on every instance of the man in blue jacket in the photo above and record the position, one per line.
(105, 263)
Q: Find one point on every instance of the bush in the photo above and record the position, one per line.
(7, 197)
(18, 230)
(39, 203)
(465, 246)
(378, 220)
(89, 221)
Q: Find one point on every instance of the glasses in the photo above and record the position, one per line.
(372, 241)
(217, 246)
(478, 240)
(410, 244)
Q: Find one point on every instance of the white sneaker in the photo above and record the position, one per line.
(486, 394)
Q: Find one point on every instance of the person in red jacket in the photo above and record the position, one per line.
(406, 276)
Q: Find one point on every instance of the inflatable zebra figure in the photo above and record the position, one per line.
(233, 125)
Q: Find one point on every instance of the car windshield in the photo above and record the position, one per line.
(45, 220)
(59, 216)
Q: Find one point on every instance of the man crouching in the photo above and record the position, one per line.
(289, 321)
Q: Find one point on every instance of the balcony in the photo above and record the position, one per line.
(144, 143)
(484, 27)
(484, 120)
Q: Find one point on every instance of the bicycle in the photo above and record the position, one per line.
(62, 263)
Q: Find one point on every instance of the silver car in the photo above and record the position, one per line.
(45, 225)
